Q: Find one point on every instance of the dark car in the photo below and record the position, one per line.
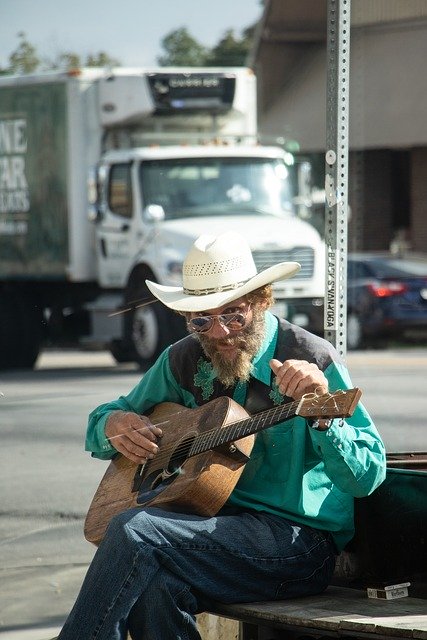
(386, 297)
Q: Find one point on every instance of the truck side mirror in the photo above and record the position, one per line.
(154, 213)
(303, 199)
(95, 182)
(94, 213)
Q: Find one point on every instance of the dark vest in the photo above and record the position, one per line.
(189, 364)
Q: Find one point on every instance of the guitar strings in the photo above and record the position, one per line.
(157, 424)
(282, 410)
(185, 447)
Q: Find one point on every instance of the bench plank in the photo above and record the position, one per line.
(339, 610)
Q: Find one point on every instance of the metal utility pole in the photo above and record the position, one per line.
(336, 172)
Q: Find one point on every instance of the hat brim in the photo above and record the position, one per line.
(176, 299)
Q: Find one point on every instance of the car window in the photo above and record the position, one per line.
(411, 267)
(398, 268)
(357, 270)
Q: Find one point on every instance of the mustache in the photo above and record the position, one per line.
(240, 341)
(244, 341)
(231, 340)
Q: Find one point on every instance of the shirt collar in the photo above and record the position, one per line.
(260, 368)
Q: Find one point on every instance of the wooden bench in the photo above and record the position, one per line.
(340, 612)
(390, 547)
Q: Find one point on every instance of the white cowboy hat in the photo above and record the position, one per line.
(218, 270)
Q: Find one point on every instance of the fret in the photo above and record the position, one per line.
(214, 438)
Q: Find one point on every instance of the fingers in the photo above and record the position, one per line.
(134, 452)
(132, 435)
(297, 377)
(275, 365)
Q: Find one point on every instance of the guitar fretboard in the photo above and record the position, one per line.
(236, 430)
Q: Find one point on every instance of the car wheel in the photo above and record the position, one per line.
(354, 332)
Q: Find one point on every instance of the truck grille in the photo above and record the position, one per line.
(303, 255)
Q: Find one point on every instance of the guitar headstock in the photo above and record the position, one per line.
(339, 404)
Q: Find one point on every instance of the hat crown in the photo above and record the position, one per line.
(217, 271)
(217, 264)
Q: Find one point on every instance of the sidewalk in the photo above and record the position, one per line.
(43, 555)
(46, 595)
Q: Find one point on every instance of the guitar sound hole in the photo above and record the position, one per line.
(157, 479)
(180, 455)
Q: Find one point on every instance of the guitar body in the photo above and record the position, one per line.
(200, 484)
(201, 456)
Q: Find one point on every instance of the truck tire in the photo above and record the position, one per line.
(20, 331)
(149, 329)
(121, 351)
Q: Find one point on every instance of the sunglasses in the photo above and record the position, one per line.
(233, 321)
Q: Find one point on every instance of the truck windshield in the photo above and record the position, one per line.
(217, 186)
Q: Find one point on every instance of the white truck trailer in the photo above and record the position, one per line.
(106, 179)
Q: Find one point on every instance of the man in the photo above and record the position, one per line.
(291, 511)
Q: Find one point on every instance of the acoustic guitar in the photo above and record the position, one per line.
(201, 456)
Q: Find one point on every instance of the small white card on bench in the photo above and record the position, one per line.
(391, 592)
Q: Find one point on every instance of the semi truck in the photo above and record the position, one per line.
(107, 176)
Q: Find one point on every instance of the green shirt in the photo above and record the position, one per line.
(294, 471)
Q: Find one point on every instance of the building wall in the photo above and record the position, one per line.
(369, 197)
(418, 234)
(379, 11)
(388, 91)
(388, 199)
(388, 97)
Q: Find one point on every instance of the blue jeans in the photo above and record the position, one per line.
(155, 569)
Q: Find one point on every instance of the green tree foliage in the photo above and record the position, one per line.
(101, 59)
(230, 50)
(24, 59)
(63, 61)
(67, 61)
(182, 50)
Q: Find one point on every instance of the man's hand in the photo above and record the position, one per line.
(132, 435)
(297, 377)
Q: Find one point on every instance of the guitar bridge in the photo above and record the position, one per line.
(231, 450)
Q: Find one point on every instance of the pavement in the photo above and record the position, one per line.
(47, 584)
(47, 590)
(46, 595)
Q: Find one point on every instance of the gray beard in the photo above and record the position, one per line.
(248, 342)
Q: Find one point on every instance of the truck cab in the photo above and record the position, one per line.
(154, 204)
(192, 165)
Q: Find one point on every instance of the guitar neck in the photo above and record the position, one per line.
(209, 440)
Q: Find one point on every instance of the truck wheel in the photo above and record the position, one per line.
(148, 329)
(21, 332)
(120, 351)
